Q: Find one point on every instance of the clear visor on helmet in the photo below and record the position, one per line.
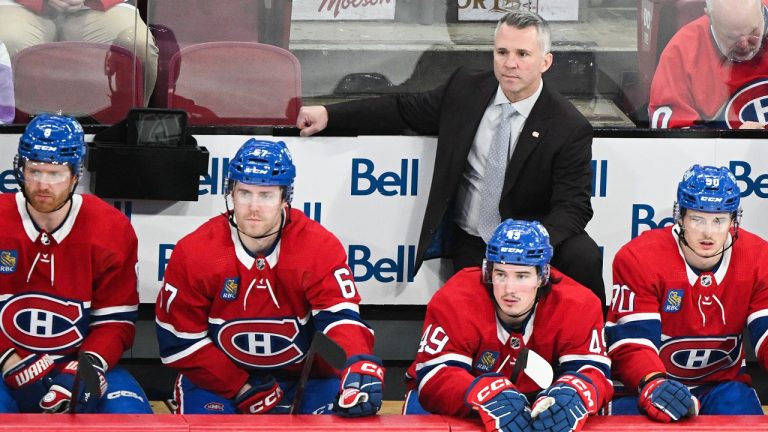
(511, 275)
(46, 173)
(262, 196)
(715, 222)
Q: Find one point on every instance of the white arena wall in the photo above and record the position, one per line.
(371, 192)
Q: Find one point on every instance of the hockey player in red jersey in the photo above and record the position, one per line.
(714, 70)
(244, 294)
(682, 296)
(68, 283)
(488, 331)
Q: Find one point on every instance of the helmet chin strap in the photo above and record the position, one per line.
(681, 237)
(283, 221)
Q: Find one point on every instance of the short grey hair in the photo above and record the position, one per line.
(521, 19)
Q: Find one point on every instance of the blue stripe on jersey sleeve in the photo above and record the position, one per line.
(572, 367)
(127, 316)
(323, 319)
(451, 363)
(170, 344)
(757, 329)
(641, 329)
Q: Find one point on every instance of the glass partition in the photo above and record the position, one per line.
(256, 62)
(92, 64)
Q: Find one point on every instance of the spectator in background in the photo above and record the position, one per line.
(7, 111)
(25, 23)
(714, 70)
(508, 146)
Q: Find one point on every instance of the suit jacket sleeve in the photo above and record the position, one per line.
(394, 114)
(570, 202)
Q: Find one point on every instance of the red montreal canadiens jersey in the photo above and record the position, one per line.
(694, 82)
(664, 317)
(222, 314)
(463, 339)
(70, 290)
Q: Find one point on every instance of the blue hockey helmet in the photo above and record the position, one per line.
(263, 163)
(521, 243)
(54, 139)
(708, 189)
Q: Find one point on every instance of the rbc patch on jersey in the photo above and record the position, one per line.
(229, 291)
(486, 361)
(8, 259)
(674, 301)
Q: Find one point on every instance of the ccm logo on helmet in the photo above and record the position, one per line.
(710, 199)
(44, 147)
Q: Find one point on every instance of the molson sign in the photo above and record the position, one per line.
(343, 10)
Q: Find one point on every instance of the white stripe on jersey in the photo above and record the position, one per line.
(338, 307)
(753, 316)
(444, 359)
(635, 341)
(429, 376)
(648, 316)
(114, 310)
(98, 323)
(346, 322)
(180, 334)
(189, 351)
(589, 357)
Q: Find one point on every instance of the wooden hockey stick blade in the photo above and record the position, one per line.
(326, 348)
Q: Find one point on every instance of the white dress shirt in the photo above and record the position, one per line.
(467, 211)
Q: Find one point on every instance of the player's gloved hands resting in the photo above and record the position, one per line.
(667, 400)
(59, 395)
(265, 393)
(565, 405)
(29, 380)
(361, 387)
(502, 408)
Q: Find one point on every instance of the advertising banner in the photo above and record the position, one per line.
(372, 191)
(343, 10)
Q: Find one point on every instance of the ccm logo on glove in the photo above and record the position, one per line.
(488, 390)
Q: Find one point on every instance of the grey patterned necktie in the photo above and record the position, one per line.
(493, 178)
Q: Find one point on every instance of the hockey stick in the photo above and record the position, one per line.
(535, 367)
(326, 348)
(86, 371)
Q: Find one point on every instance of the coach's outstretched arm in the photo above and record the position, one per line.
(312, 119)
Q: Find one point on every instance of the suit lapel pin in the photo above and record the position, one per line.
(535, 134)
